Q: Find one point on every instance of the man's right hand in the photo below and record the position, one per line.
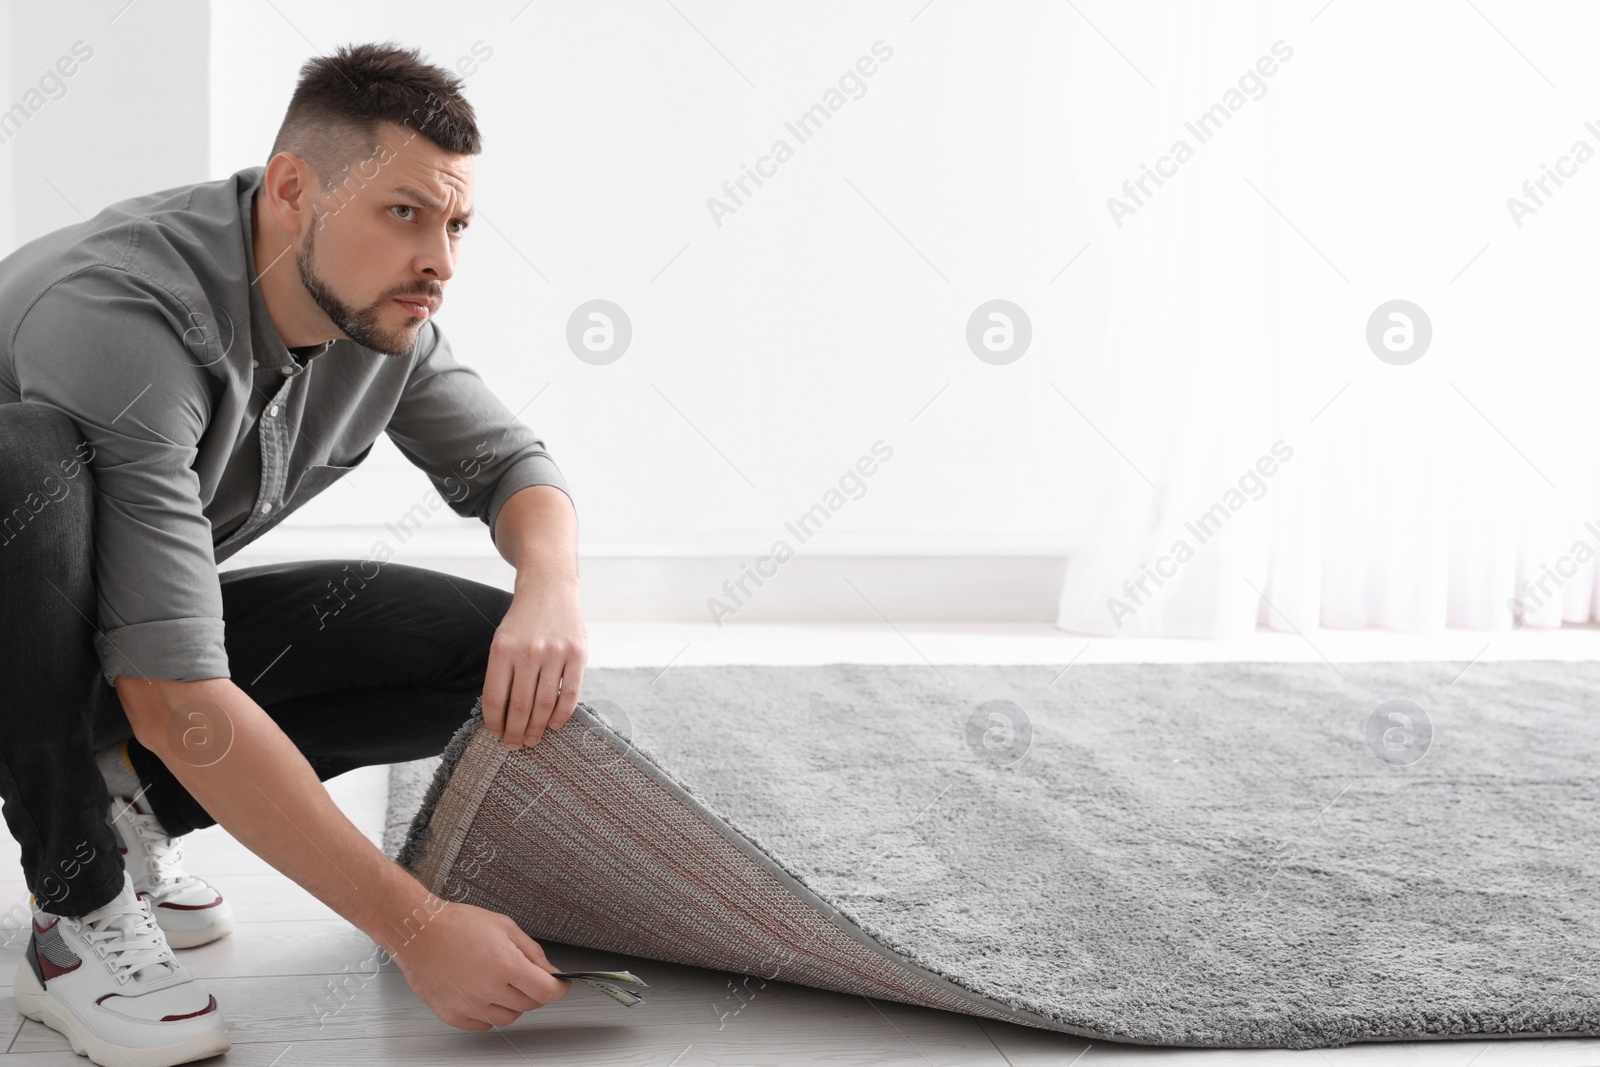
(474, 967)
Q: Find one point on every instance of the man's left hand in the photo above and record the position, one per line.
(536, 662)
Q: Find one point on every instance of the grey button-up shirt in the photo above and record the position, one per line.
(143, 325)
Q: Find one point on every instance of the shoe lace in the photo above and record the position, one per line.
(125, 934)
(166, 853)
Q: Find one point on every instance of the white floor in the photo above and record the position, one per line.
(271, 974)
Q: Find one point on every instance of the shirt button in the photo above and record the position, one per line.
(255, 363)
(286, 371)
(273, 410)
(266, 508)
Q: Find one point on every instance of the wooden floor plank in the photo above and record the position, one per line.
(687, 1008)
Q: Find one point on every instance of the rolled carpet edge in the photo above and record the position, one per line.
(846, 958)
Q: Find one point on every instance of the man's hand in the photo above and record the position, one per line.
(536, 660)
(474, 968)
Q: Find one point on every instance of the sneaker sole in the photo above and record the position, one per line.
(37, 1004)
(191, 938)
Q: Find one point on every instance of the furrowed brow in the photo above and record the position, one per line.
(426, 201)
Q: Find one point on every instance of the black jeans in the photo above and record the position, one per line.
(359, 662)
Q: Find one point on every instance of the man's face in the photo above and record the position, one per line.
(387, 232)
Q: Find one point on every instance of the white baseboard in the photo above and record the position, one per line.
(677, 583)
(824, 589)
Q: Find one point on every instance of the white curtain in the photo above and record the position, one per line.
(1376, 166)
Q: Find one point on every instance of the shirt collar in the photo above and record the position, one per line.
(306, 353)
(268, 347)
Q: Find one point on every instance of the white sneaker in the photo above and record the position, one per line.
(186, 908)
(109, 982)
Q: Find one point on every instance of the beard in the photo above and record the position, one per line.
(364, 325)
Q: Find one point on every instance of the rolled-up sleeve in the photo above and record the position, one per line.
(473, 449)
(106, 348)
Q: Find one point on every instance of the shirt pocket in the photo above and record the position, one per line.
(315, 479)
(319, 476)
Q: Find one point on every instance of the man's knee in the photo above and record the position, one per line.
(499, 602)
(481, 609)
(488, 603)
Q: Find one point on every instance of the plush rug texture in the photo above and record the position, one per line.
(1237, 855)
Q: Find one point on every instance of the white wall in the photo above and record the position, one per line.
(772, 352)
(7, 94)
(130, 119)
(769, 354)
(830, 311)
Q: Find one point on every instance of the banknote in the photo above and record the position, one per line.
(603, 981)
(621, 977)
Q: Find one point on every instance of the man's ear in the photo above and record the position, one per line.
(286, 187)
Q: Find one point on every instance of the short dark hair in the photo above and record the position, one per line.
(350, 92)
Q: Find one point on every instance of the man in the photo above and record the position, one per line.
(177, 374)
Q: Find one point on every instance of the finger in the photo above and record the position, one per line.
(535, 952)
(535, 982)
(544, 701)
(565, 700)
(496, 686)
(571, 684)
(471, 1015)
(495, 1014)
(520, 709)
(532, 949)
(513, 999)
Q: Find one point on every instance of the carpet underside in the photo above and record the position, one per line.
(584, 841)
(1147, 872)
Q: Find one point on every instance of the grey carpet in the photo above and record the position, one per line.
(1212, 855)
